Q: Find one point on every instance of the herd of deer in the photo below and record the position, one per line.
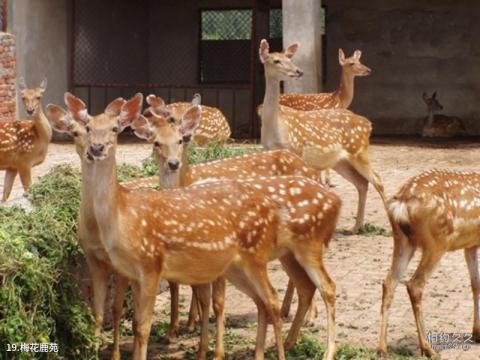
(228, 218)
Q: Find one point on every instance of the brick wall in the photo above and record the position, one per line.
(7, 77)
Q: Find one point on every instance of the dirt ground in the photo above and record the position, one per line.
(358, 264)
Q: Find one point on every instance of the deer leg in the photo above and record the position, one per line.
(10, 175)
(362, 164)
(238, 278)
(415, 286)
(350, 174)
(218, 297)
(472, 263)
(144, 302)
(193, 312)
(204, 295)
(287, 300)
(305, 289)
(402, 254)
(26, 178)
(174, 318)
(99, 276)
(121, 285)
(312, 312)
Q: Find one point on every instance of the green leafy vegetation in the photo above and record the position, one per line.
(374, 230)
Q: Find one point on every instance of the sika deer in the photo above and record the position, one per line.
(339, 99)
(88, 230)
(213, 127)
(436, 211)
(438, 125)
(337, 139)
(147, 236)
(291, 195)
(24, 144)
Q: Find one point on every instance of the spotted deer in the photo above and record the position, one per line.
(438, 125)
(339, 99)
(24, 143)
(98, 261)
(329, 138)
(436, 211)
(289, 192)
(213, 127)
(182, 235)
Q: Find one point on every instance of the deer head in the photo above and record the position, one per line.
(433, 104)
(352, 65)
(31, 96)
(279, 65)
(102, 130)
(168, 137)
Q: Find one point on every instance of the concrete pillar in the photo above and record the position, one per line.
(41, 32)
(302, 23)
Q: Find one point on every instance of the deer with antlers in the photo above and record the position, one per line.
(287, 191)
(213, 127)
(436, 211)
(147, 236)
(438, 125)
(24, 144)
(330, 138)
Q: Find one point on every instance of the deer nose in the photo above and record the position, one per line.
(173, 164)
(30, 111)
(187, 138)
(96, 149)
(299, 73)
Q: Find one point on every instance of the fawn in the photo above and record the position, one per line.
(438, 125)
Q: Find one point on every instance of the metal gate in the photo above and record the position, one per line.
(171, 48)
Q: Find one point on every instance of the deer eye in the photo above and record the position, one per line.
(171, 120)
(156, 144)
(75, 133)
(87, 128)
(39, 97)
(115, 129)
(180, 141)
(276, 61)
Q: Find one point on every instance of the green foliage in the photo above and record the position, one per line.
(373, 230)
(198, 154)
(38, 254)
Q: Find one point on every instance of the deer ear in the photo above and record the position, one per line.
(77, 108)
(142, 128)
(434, 95)
(291, 50)
(190, 121)
(357, 54)
(264, 51)
(341, 57)
(21, 84)
(58, 118)
(114, 108)
(155, 101)
(425, 97)
(130, 110)
(43, 84)
(197, 99)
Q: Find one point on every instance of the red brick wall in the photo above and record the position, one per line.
(7, 77)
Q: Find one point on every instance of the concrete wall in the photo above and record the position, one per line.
(41, 34)
(412, 46)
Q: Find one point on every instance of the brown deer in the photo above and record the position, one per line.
(330, 138)
(213, 127)
(24, 144)
(438, 125)
(283, 190)
(339, 99)
(144, 240)
(436, 211)
(88, 230)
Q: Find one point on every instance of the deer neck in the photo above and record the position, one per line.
(42, 126)
(185, 168)
(345, 90)
(430, 117)
(105, 200)
(271, 138)
(87, 188)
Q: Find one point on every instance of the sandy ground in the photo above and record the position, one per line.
(358, 264)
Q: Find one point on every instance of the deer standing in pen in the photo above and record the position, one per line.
(330, 138)
(287, 191)
(436, 211)
(24, 144)
(182, 235)
(213, 126)
(438, 125)
(339, 99)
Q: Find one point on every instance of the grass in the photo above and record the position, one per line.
(368, 229)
